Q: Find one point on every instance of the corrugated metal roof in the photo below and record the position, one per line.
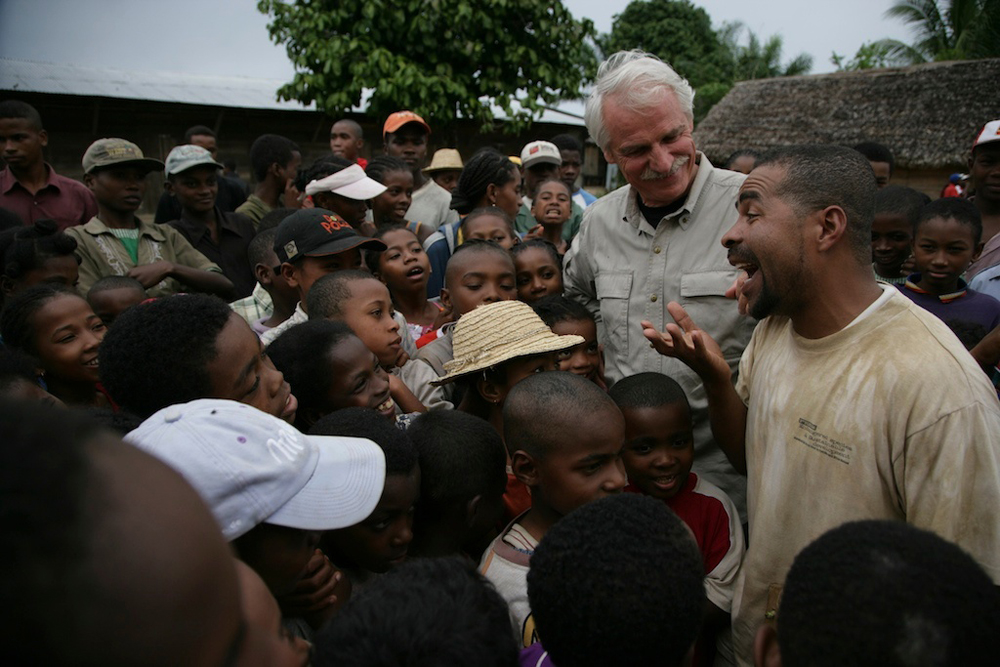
(210, 90)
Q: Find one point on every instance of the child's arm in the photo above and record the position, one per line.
(726, 412)
(403, 397)
(322, 591)
(197, 279)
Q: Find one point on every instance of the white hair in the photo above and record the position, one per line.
(636, 78)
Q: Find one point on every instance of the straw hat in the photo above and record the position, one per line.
(444, 158)
(498, 332)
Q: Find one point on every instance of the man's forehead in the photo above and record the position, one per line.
(761, 183)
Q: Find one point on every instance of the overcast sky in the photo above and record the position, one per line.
(229, 37)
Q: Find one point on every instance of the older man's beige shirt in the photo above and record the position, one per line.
(625, 271)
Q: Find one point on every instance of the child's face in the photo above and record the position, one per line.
(552, 205)
(569, 171)
(303, 274)
(368, 311)
(119, 189)
(61, 270)
(196, 188)
(538, 275)
(892, 238)
(659, 448)
(391, 205)
(508, 196)
(279, 555)
(984, 171)
(404, 265)
(447, 179)
(353, 211)
(67, 335)
(381, 542)
(943, 250)
(111, 303)
(583, 359)
(358, 378)
(519, 368)
(475, 278)
(583, 465)
(242, 371)
(882, 173)
(490, 228)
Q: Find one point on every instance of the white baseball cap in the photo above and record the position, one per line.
(182, 158)
(540, 152)
(350, 182)
(251, 468)
(989, 133)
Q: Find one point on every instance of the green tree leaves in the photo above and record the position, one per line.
(436, 57)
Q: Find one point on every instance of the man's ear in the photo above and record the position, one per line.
(832, 227)
(88, 180)
(43, 138)
(263, 274)
(290, 275)
(278, 171)
(766, 652)
(472, 510)
(524, 467)
(168, 187)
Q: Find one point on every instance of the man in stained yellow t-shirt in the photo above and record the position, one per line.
(851, 402)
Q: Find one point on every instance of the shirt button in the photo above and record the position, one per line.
(657, 250)
(684, 219)
(652, 298)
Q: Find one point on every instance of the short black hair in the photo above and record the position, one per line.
(158, 352)
(741, 152)
(22, 110)
(273, 218)
(17, 324)
(328, 294)
(25, 249)
(958, 209)
(547, 246)
(16, 367)
(546, 404)
(461, 457)
(298, 353)
(260, 250)
(381, 165)
(900, 200)
(556, 308)
(818, 176)
(400, 454)
(269, 149)
(876, 152)
(427, 611)
(353, 124)
(480, 246)
(555, 179)
(486, 210)
(321, 168)
(567, 142)
(644, 594)
(886, 593)
(647, 390)
(485, 168)
(108, 283)
(198, 130)
(45, 476)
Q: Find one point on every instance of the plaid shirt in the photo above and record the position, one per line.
(255, 306)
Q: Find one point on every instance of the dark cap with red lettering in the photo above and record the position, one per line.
(316, 232)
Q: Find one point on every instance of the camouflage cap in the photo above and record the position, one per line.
(117, 152)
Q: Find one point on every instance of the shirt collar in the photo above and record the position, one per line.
(911, 284)
(634, 216)
(8, 180)
(197, 230)
(152, 230)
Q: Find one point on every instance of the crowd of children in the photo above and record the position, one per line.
(369, 375)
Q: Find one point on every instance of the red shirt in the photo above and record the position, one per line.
(62, 199)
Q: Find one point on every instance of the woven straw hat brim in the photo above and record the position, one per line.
(538, 343)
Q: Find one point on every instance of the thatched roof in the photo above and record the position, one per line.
(926, 114)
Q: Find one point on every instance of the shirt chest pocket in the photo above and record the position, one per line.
(703, 296)
(613, 291)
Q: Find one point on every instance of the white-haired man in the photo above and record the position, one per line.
(657, 239)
